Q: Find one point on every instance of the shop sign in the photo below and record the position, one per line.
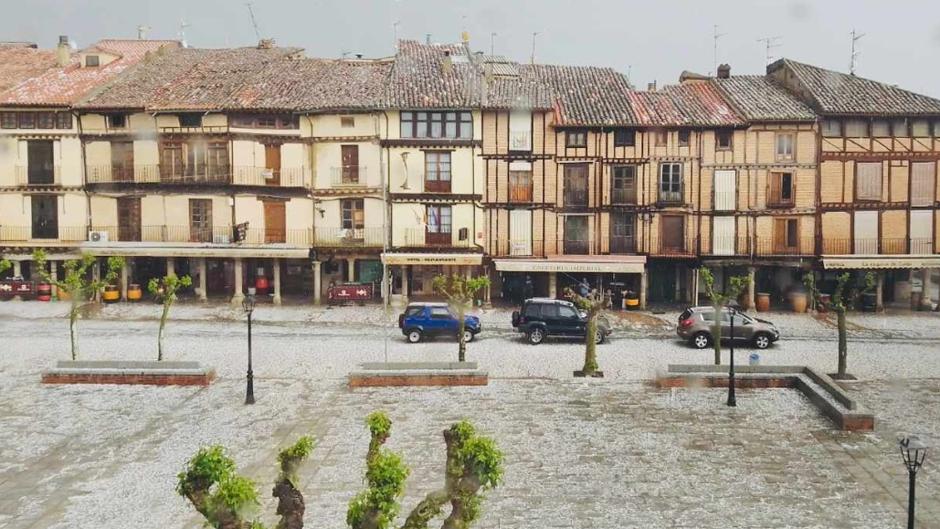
(510, 265)
(432, 259)
(876, 263)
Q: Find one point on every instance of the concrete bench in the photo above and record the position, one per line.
(378, 374)
(128, 372)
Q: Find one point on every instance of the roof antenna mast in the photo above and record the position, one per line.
(254, 23)
(715, 37)
(534, 34)
(142, 31)
(855, 38)
(492, 43)
(769, 44)
(182, 32)
(395, 29)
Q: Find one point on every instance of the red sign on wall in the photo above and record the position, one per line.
(349, 292)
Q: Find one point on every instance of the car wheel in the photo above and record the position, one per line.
(535, 336)
(468, 336)
(762, 341)
(599, 336)
(701, 340)
(414, 336)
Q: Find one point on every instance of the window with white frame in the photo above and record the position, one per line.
(670, 182)
(785, 146)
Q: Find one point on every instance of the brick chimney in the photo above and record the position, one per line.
(266, 44)
(447, 65)
(63, 51)
(651, 87)
(724, 71)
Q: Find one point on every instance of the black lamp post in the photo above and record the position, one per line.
(731, 398)
(249, 305)
(914, 451)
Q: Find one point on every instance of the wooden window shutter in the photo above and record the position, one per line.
(922, 183)
(868, 186)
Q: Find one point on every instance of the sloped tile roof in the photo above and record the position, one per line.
(759, 98)
(838, 93)
(62, 86)
(689, 105)
(318, 85)
(19, 62)
(587, 95)
(420, 79)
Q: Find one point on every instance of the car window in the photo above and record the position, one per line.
(440, 313)
(532, 310)
(725, 317)
(414, 311)
(708, 316)
(567, 312)
(685, 314)
(549, 311)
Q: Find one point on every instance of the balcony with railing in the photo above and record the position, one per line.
(623, 197)
(39, 176)
(201, 129)
(770, 246)
(349, 176)
(157, 174)
(520, 140)
(670, 197)
(874, 246)
(262, 176)
(341, 237)
(422, 238)
(42, 233)
(203, 235)
(519, 248)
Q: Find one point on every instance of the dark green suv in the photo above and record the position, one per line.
(543, 317)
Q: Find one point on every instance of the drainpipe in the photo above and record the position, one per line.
(386, 209)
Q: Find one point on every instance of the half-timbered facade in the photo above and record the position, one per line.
(879, 148)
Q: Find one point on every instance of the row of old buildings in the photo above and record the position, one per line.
(234, 164)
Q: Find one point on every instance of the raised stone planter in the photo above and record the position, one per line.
(387, 374)
(819, 388)
(128, 372)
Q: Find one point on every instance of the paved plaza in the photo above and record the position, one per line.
(606, 453)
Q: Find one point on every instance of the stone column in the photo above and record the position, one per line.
(316, 282)
(96, 276)
(124, 273)
(54, 271)
(925, 291)
(170, 266)
(238, 296)
(643, 287)
(404, 283)
(553, 284)
(695, 279)
(351, 263)
(277, 282)
(203, 272)
(751, 295)
(879, 291)
(17, 272)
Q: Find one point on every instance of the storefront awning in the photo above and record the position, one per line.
(633, 264)
(868, 262)
(461, 259)
(130, 249)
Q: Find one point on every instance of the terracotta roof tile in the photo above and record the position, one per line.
(838, 93)
(759, 98)
(62, 86)
(19, 62)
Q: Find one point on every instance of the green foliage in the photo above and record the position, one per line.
(235, 494)
(719, 299)
(460, 292)
(167, 286)
(842, 300)
(297, 451)
(385, 474)
(379, 424)
(5, 265)
(481, 457)
(210, 465)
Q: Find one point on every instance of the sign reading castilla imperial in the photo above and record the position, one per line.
(462, 259)
(849, 263)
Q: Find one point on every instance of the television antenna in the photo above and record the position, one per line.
(534, 35)
(254, 23)
(395, 30)
(715, 37)
(182, 32)
(769, 44)
(492, 42)
(142, 31)
(855, 38)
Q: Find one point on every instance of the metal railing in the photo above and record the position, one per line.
(769, 246)
(202, 129)
(213, 235)
(338, 237)
(348, 175)
(156, 174)
(28, 233)
(874, 246)
(679, 247)
(623, 196)
(520, 140)
(48, 175)
(420, 238)
(262, 176)
(670, 197)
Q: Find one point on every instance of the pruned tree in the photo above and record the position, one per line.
(166, 288)
(593, 304)
(228, 500)
(460, 292)
(843, 299)
(474, 465)
(5, 265)
(79, 283)
(719, 299)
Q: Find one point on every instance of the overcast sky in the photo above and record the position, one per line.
(649, 40)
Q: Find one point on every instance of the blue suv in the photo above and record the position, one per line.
(434, 319)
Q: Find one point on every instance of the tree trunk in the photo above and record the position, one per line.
(290, 505)
(462, 344)
(166, 311)
(716, 334)
(843, 345)
(590, 347)
(427, 509)
(73, 321)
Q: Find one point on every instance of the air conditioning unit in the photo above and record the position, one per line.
(97, 236)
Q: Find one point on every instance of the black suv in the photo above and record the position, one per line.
(541, 317)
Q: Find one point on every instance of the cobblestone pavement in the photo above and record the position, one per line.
(602, 453)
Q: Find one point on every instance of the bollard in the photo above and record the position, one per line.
(754, 359)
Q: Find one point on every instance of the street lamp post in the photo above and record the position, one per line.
(249, 305)
(913, 451)
(731, 398)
